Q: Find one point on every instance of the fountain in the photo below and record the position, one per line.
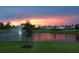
(20, 32)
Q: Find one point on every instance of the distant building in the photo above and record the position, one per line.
(46, 27)
(60, 27)
(57, 27)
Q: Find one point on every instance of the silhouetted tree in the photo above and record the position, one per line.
(77, 26)
(28, 28)
(72, 26)
(13, 26)
(1, 25)
(54, 27)
(8, 25)
(65, 26)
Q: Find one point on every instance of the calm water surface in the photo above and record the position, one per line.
(55, 37)
(40, 37)
(14, 36)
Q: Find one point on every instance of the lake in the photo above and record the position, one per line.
(14, 36)
(55, 37)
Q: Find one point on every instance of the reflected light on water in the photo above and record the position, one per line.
(53, 37)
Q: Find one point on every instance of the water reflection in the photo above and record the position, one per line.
(54, 37)
(26, 38)
(51, 37)
(77, 37)
(39, 37)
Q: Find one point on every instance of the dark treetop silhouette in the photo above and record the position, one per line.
(28, 33)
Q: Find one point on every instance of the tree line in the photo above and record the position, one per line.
(7, 25)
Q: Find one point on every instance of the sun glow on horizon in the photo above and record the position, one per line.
(42, 21)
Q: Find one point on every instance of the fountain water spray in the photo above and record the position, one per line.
(20, 32)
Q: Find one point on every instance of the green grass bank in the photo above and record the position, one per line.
(39, 47)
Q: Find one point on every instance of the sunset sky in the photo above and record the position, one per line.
(40, 15)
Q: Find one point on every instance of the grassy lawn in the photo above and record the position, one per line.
(66, 31)
(38, 47)
(5, 30)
